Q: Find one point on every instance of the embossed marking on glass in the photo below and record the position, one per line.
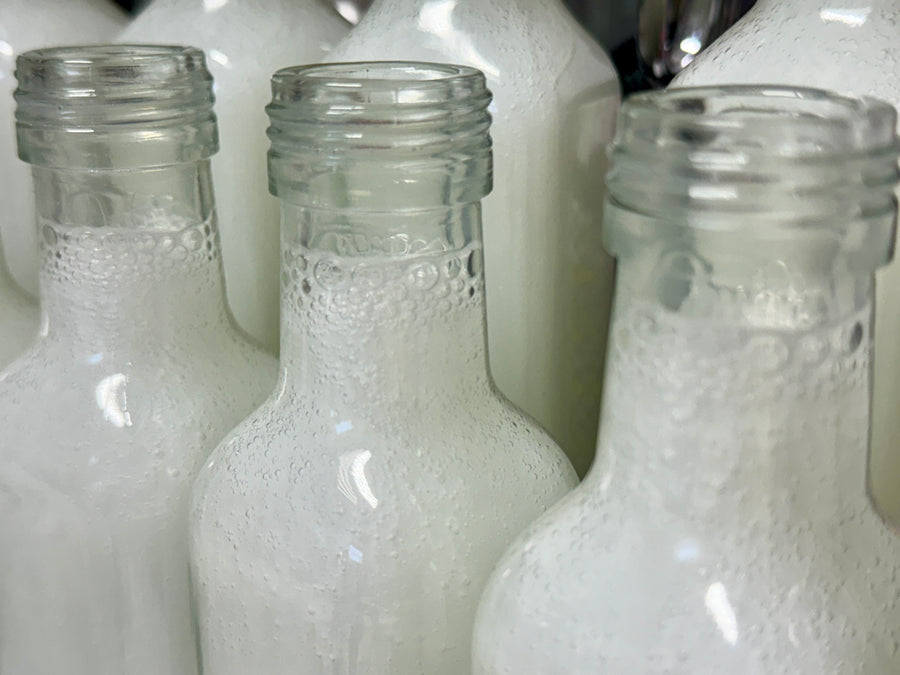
(725, 527)
(349, 525)
(137, 373)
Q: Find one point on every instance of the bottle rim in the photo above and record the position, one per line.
(757, 161)
(412, 122)
(388, 82)
(759, 149)
(156, 99)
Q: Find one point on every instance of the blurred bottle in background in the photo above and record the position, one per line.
(24, 25)
(548, 279)
(245, 41)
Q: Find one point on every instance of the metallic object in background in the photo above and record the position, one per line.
(611, 22)
(352, 10)
(672, 32)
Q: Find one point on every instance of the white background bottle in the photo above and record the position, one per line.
(725, 526)
(24, 25)
(851, 47)
(18, 317)
(350, 523)
(246, 41)
(548, 278)
(138, 372)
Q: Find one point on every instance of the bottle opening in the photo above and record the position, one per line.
(760, 165)
(154, 99)
(400, 83)
(776, 152)
(379, 135)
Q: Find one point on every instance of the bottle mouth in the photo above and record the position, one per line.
(774, 152)
(417, 125)
(152, 103)
(757, 161)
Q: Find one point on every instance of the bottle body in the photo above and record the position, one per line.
(28, 25)
(725, 526)
(808, 43)
(555, 99)
(351, 522)
(367, 531)
(247, 40)
(137, 373)
(705, 578)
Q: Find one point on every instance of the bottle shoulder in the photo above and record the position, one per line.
(640, 591)
(28, 24)
(537, 47)
(243, 35)
(848, 51)
(316, 446)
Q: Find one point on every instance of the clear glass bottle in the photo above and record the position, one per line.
(24, 25)
(18, 317)
(549, 281)
(852, 47)
(246, 41)
(137, 373)
(349, 524)
(725, 527)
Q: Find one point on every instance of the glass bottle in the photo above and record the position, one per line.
(548, 278)
(18, 317)
(137, 373)
(725, 527)
(349, 524)
(246, 41)
(850, 47)
(24, 25)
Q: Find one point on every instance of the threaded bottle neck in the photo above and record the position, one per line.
(379, 135)
(756, 164)
(114, 106)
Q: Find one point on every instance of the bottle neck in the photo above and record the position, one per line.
(129, 258)
(384, 309)
(739, 397)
